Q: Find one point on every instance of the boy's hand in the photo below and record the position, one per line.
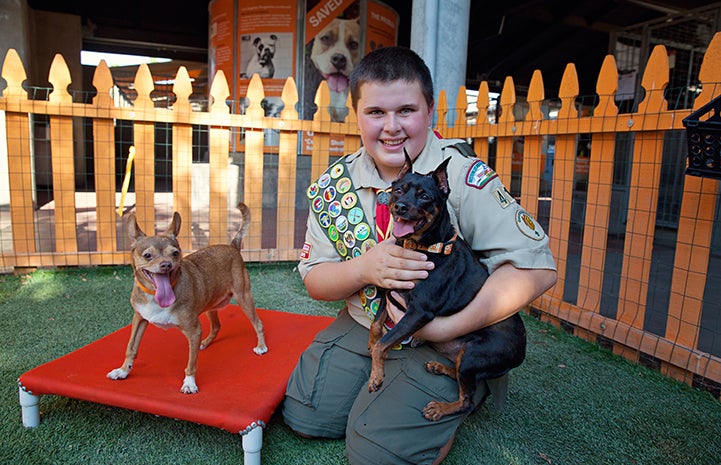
(392, 267)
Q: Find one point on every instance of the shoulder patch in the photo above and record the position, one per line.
(529, 226)
(479, 174)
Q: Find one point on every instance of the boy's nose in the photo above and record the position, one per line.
(391, 124)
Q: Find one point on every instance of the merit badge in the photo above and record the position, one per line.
(333, 233)
(355, 215)
(370, 291)
(367, 245)
(341, 223)
(317, 204)
(324, 219)
(329, 193)
(356, 252)
(336, 171)
(362, 231)
(313, 190)
(334, 208)
(343, 185)
(503, 198)
(529, 226)
(349, 239)
(340, 247)
(324, 181)
(349, 200)
(479, 175)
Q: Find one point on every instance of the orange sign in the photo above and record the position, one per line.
(382, 27)
(322, 14)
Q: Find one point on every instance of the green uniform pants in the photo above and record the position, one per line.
(327, 396)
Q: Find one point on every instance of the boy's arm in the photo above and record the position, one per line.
(507, 290)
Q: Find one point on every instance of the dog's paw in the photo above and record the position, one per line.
(374, 384)
(260, 350)
(434, 411)
(189, 386)
(118, 373)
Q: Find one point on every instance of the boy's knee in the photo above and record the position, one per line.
(303, 420)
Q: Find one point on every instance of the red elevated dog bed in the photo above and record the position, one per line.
(238, 390)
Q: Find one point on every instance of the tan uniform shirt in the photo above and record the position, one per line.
(486, 216)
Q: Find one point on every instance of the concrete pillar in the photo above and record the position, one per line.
(439, 34)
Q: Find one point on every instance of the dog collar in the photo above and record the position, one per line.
(152, 291)
(444, 248)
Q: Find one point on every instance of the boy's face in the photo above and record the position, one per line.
(392, 116)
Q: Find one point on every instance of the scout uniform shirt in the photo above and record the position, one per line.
(484, 213)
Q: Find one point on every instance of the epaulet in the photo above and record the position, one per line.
(462, 146)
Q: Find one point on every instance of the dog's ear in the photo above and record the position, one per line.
(173, 227)
(134, 231)
(256, 41)
(273, 37)
(407, 165)
(441, 177)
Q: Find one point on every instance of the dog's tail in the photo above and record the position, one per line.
(237, 241)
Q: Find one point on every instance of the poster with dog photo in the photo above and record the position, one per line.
(267, 32)
(332, 49)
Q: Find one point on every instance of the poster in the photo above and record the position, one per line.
(335, 42)
(267, 37)
(332, 50)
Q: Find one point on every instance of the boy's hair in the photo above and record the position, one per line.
(389, 64)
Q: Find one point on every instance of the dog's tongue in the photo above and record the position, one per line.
(337, 82)
(402, 228)
(164, 295)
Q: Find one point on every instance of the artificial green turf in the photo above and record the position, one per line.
(570, 402)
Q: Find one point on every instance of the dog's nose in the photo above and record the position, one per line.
(166, 266)
(338, 61)
(400, 208)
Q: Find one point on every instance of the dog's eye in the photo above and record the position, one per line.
(176, 254)
(147, 255)
(425, 197)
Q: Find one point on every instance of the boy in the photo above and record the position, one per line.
(327, 395)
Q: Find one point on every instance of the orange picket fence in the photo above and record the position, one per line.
(633, 237)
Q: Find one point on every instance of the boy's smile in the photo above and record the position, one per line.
(392, 116)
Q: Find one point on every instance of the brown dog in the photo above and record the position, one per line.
(172, 291)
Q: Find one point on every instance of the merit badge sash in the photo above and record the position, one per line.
(334, 202)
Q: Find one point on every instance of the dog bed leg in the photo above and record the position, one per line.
(252, 443)
(30, 406)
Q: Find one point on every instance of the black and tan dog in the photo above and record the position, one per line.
(172, 291)
(422, 222)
